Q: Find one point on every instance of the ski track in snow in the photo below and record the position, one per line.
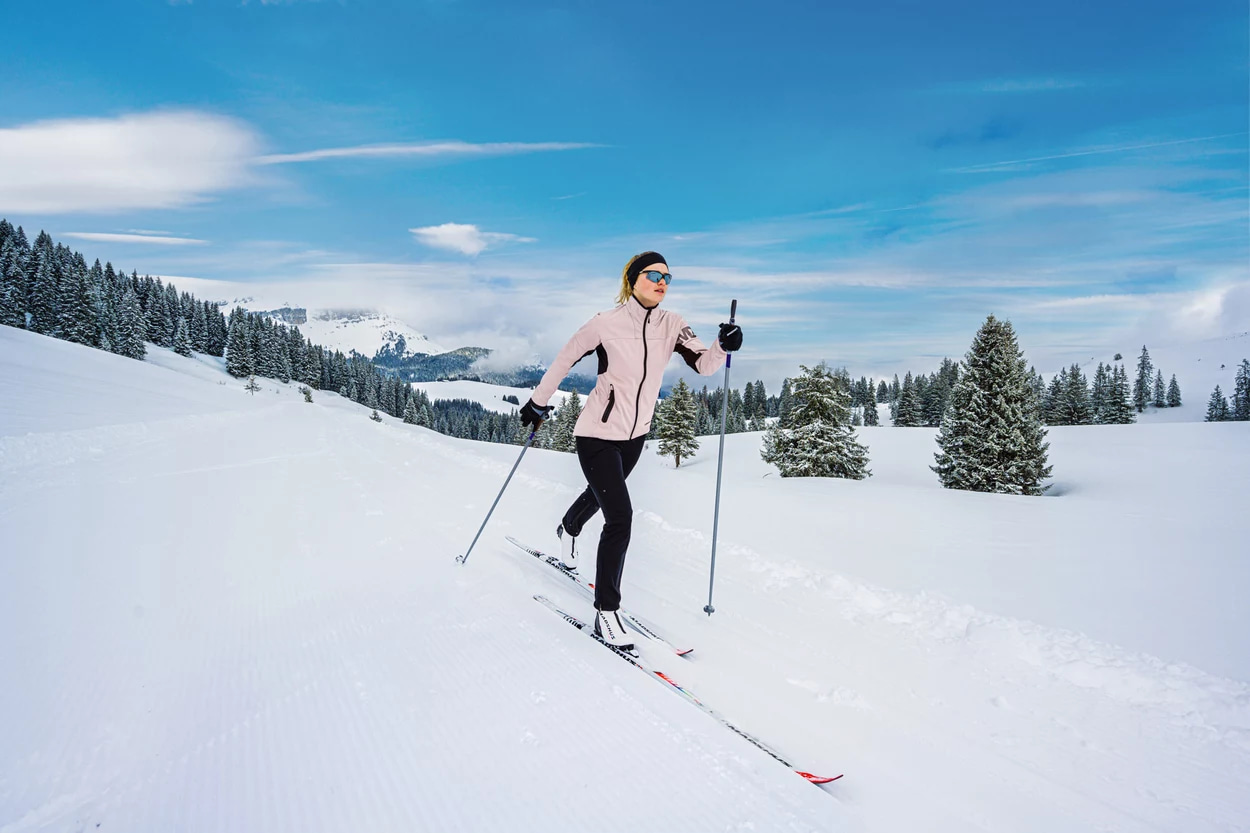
(249, 618)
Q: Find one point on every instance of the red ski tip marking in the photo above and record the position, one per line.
(684, 651)
(817, 779)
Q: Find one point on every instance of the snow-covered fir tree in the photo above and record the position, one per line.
(252, 385)
(238, 346)
(182, 338)
(1120, 407)
(1239, 408)
(818, 440)
(1100, 396)
(1217, 407)
(566, 419)
(1075, 406)
(785, 403)
(991, 438)
(871, 419)
(1141, 386)
(909, 412)
(1174, 393)
(677, 425)
(375, 416)
(1159, 400)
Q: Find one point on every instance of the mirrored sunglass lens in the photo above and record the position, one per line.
(656, 277)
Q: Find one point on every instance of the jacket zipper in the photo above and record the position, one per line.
(638, 398)
(611, 402)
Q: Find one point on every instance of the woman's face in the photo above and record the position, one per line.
(650, 294)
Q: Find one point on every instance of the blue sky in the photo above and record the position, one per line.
(869, 180)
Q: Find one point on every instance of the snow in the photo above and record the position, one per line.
(366, 332)
(487, 395)
(221, 611)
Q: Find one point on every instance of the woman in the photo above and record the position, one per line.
(633, 343)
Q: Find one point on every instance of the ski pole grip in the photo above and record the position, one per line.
(733, 310)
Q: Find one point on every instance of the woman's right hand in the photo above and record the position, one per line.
(532, 414)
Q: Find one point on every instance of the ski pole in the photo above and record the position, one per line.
(465, 557)
(720, 463)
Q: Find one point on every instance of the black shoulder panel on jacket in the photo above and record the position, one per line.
(689, 355)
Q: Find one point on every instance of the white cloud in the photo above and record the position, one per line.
(427, 149)
(155, 160)
(464, 238)
(105, 237)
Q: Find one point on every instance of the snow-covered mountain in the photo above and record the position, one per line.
(224, 611)
(365, 331)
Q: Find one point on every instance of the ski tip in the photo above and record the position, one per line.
(817, 779)
(684, 652)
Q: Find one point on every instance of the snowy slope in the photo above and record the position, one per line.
(226, 612)
(487, 395)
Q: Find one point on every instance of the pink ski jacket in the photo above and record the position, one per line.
(634, 344)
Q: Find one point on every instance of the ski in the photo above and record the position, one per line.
(588, 589)
(634, 659)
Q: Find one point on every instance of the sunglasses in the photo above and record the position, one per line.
(656, 277)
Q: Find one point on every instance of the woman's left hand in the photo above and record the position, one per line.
(730, 337)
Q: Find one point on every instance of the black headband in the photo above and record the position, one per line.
(641, 262)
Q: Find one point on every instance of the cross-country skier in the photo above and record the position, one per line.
(633, 342)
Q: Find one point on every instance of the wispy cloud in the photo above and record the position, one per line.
(154, 160)
(464, 238)
(1012, 85)
(422, 149)
(1014, 164)
(151, 239)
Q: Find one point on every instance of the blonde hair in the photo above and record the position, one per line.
(626, 289)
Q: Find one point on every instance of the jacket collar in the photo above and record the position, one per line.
(636, 310)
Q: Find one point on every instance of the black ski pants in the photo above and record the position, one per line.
(606, 464)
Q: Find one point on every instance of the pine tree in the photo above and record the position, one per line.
(871, 419)
(883, 392)
(1053, 412)
(44, 293)
(566, 420)
(182, 338)
(1101, 396)
(818, 441)
(1141, 387)
(12, 286)
(909, 412)
(252, 385)
(676, 434)
(410, 412)
(703, 418)
(1120, 408)
(375, 416)
(1076, 405)
(991, 438)
(785, 404)
(1160, 393)
(1217, 407)
(1239, 409)
(238, 346)
(131, 327)
(1174, 393)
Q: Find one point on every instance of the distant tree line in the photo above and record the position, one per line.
(47, 288)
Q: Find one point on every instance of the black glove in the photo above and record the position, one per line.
(730, 337)
(533, 415)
